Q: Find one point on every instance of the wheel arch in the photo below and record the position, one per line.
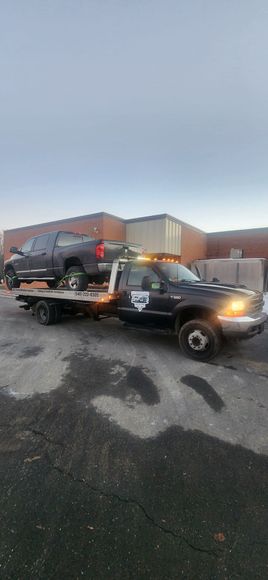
(73, 261)
(195, 312)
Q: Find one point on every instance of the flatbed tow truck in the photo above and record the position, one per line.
(163, 294)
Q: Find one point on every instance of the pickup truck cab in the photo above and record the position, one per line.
(76, 258)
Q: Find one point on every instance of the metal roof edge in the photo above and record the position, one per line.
(162, 216)
(245, 230)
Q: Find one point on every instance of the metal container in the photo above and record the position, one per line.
(160, 235)
(249, 272)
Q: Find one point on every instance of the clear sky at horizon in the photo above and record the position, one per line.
(134, 108)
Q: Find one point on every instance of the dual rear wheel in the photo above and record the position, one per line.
(48, 312)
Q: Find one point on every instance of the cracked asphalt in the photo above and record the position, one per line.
(121, 459)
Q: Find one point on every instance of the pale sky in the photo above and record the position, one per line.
(134, 108)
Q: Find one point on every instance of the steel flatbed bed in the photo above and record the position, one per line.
(48, 304)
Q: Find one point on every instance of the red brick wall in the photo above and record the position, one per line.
(113, 229)
(254, 243)
(193, 245)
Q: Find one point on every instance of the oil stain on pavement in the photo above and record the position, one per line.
(118, 380)
(205, 390)
(30, 351)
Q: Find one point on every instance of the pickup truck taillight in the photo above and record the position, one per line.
(100, 251)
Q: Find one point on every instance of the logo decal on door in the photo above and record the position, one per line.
(139, 299)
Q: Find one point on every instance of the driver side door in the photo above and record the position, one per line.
(150, 306)
(22, 263)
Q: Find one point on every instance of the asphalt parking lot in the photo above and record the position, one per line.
(122, 459)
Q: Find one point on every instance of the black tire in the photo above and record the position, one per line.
(11, 280)
(200, 340)
(45, 313)
(52, 283)
(76, 278)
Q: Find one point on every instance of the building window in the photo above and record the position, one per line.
(236, 253)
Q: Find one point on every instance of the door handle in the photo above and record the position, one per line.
(44, 254)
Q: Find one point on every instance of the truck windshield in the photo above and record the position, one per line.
(176, 273)
(69, 239)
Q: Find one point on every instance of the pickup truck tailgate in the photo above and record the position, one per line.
(114, 249)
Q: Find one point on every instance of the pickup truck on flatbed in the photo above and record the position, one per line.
(56, 255)
(164, 294)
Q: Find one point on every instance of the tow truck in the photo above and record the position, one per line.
(158, 294)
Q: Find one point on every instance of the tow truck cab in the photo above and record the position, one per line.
(166, 294)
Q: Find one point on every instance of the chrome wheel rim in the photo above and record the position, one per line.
(198, 340)
(73, 282)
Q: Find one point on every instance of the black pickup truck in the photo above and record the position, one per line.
(76, 258)
(161, 294)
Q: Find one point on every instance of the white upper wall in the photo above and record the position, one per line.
(156, 235)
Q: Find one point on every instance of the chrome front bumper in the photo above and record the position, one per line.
(242, 326)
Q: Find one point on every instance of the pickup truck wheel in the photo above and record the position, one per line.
(45, 313)
(76, 278)
(11, 280)
(199, 340)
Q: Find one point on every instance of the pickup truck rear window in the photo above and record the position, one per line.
(69, 239)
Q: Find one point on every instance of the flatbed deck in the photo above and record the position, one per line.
(61, 294)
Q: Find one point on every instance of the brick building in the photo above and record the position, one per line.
(159, 234)
(251, 243)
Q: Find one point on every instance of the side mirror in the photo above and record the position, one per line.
(15, 250)
(148, 284)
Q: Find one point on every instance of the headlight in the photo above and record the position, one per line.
(235, 308)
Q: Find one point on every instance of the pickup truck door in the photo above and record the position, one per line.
(40, 260)
(21, 263)
(152, 306)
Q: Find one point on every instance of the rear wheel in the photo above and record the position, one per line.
(11, 279)
(45, 313)
(200, 340)
(76, 278)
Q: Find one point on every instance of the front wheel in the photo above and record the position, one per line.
(76, 278)
(11, 280)
(200, 340)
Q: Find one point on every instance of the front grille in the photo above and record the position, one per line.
(256, 304)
